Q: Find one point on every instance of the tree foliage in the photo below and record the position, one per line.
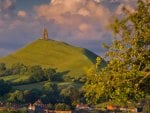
(2, 67)
(13, 111)
(36, 73)
(62, 107)
(51, 93)
(50, 74)
(18, 68)
(71, 93)
(4, 87)
(126, 78)
(17, 97)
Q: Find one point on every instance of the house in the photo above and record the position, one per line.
(83, 106)
(37, 107)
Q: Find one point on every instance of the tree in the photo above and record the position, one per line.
(13, 111)
(62, 107)
(32, 95)
(50, 74)
(98, 63)
(18, 68)
(71, 93)
(2, 67)
(37, 73)
(50, 106)
(51, 93)
(126, 78)
(51, 87)
(17, 97)
(4, 87)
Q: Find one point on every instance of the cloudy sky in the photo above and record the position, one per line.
(82, 23)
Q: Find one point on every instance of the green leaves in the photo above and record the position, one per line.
(127, 72)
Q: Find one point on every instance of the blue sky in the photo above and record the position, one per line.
(82, 23)
(27, 5)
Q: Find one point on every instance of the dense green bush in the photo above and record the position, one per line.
(2, 67)
(4, 87)
(50, 74)
(18, 68)
(50, 93)
(17, 97)
(14, 111)
(71, 94)
(36, 73)
(50, 106)
(27, 96)
(62, 107)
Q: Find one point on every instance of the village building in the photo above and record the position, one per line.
(83, 106)
(37, 107)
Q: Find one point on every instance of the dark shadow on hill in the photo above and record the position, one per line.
(90, 55)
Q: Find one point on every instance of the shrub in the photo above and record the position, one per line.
(4, 87)
(14, 111)
(50, 106)
(62, 107)
(2, 67)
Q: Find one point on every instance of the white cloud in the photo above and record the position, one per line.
(84, 27)
(98, 1)
(21, 14)
(6, 4)
(84, 12)
(7, 9)
(78, 15)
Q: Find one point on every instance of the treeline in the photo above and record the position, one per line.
(36, 73)
(13, 111)
(50, 94)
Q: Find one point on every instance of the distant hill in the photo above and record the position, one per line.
(55, 54)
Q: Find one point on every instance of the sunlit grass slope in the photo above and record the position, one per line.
(55, 54)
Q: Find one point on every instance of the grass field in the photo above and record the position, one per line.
(38, 85)
(15, 78)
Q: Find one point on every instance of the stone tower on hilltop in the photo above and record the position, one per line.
(45, 34)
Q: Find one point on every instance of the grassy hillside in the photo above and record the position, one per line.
(15, 78)
(50, 53)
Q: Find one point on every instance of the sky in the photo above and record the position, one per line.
(83, 23)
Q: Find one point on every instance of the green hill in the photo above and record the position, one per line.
(55, 54)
